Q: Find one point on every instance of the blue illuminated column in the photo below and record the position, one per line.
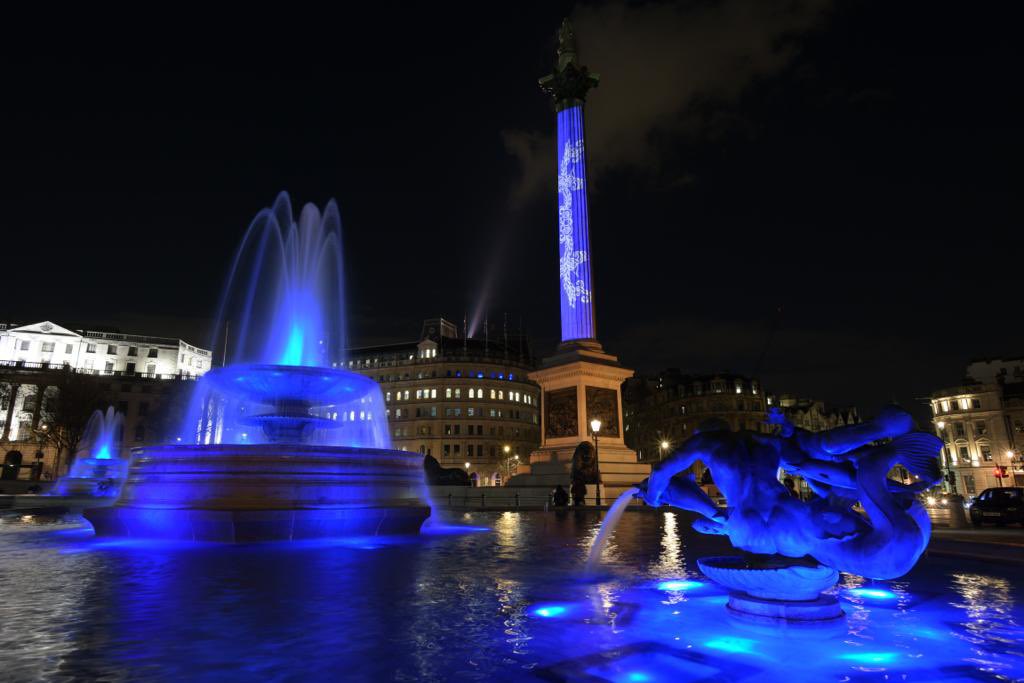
(573, 228)
(568, 86)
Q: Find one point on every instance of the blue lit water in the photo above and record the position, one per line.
(498, 604)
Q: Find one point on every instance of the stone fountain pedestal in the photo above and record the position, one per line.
(269, 492)
(776, 590)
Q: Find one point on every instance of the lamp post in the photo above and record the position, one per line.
(662, 447)
(595, 427)
(506, 449)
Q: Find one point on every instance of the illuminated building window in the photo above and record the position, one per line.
(48, 347)
(501, 395)
(458, 393)
(387, 396)
(448, 392)
(980, 428)
(969, 483)
(965, 403)
(433, 411)
(24, 345)
(739, 387)
(406, 395)
(470, 412)
(419, 393)
(951, 455)
(472, 393)
(986, 453)
(398, 412)
(433, 393)
(68, 348)
(492, 394)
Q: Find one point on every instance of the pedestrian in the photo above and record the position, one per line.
(561, 497)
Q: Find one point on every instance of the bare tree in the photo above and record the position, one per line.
(67, 404)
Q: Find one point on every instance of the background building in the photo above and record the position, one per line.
(662, 411)
(981, 424)
(105, 353)
(812, 414)
(462, 401)
(53, 378)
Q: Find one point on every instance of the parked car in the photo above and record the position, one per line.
(1001, 506)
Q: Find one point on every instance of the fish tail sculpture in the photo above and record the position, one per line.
(899, 525)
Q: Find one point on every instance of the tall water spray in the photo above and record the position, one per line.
(281, 443)
(98, 468)
(283, 316)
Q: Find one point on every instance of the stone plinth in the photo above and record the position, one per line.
(577, 384)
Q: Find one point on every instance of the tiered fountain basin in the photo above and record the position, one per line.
(266, 492)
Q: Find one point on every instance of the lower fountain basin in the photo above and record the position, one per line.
(266, 492)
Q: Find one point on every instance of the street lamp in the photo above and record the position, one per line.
(506, 449)
(662, 447)
(595, 427)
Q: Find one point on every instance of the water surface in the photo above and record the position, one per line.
(501, 602)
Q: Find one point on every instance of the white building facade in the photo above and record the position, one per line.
(982, 429)
(46, 344)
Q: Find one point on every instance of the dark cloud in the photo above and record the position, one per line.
(657, 63)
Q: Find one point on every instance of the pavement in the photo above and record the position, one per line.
(987, 544)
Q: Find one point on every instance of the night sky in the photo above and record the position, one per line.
(826, 194)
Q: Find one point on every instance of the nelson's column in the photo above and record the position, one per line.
(581, 381)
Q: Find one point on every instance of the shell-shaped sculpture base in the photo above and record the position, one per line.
(266, 492)
(775, 591)
(771, 580)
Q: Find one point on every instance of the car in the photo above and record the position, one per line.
(1000, 505)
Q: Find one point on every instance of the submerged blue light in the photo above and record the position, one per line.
(732, 644)
(549, 611)
(870, 657)
(872, 593)
(103, 453)
(679, 585)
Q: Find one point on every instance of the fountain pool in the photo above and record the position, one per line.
(499, 601)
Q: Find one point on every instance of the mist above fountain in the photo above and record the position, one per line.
(279, 444)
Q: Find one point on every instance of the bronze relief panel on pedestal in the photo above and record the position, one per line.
(561, 416)
(604, 405)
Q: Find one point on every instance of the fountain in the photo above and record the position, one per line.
(280, 444)
(794, 549)
(98, 470)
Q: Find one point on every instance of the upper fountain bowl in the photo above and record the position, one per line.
(314, 386)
